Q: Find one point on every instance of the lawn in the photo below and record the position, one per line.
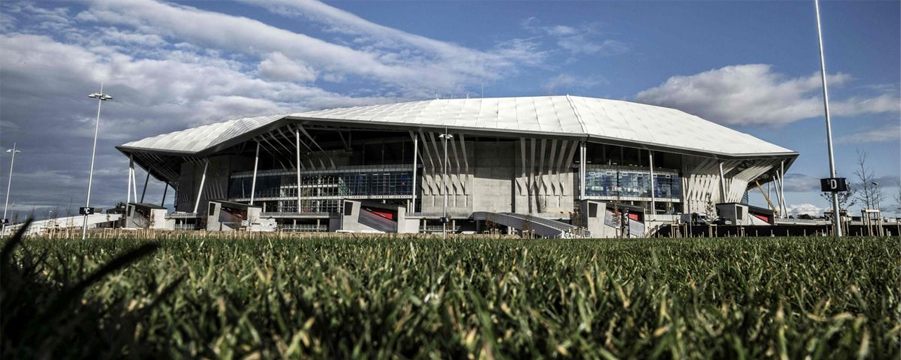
(431, 298)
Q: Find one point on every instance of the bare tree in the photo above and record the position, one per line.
(898, 195)
(845, 199)
(869, 189)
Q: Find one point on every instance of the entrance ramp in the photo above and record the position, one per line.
(539, 226)
(377, 222)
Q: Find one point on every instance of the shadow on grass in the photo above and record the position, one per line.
(41, 318)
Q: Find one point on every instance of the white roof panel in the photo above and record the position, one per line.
(551, 115)
(202, 137)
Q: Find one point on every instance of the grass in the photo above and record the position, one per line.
(476, 298)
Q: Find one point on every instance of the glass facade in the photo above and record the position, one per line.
(602, 181)
(321, 190)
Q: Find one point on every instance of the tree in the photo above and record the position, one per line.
(845, 199)
(869, 193)
(898, 195)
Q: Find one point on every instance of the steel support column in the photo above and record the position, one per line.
(782, 186)
(297, 151)
(134, 184)
(722, 184)
(253, 183)
(206, 165)
(653, 197)
(582, 172)
(415, 166)
(144, 191)
(131, 167)
(165, 189)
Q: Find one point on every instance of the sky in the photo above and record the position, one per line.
(751, 65)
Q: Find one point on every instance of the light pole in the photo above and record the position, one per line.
(876, 194)
(836, 218)
(9, 184)
(445, 137)
(101, 97)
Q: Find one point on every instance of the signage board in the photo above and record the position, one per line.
(833, 185)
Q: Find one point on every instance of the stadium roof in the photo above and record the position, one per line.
(596, 119)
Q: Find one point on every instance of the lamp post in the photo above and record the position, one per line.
(101, 97)
(444, 220)
(836, 219)
(9, 184)
(877, 196)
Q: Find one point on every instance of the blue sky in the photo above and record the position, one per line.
(752, 66)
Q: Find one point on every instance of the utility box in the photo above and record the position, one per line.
(372, 216)
(147, 216)
(594, 218)
(744, 214)
(232, 216)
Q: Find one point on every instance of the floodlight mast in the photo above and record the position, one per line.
(101, 97)
(444, 219)
(9, 184)
(836, 211)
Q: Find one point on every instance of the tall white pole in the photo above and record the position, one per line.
(253, 183)
(582, 172)
(653, 197)
(297, 168)
(415, 166)
(444, 181)
(100, 98)
(836, 222)
(9, 184)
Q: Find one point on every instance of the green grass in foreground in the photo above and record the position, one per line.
(343, 297)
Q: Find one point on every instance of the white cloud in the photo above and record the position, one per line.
(582, 39)
(579, 44)
(170, 67)
(412, 63)
(891, 132)
(795, 182)
(754, 94)
(174, 90)
(804, 209)
(569, 82)
(277, 66)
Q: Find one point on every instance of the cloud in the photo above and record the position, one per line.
(568, 82)
(277, 66)
(756, 95)
(795, 182)
(891, 132)
(170, 67)
(804, 209)
(412, 63)
(582, 39)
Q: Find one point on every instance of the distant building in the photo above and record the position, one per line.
(537, 156)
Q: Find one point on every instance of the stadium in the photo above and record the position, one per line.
(552, 165)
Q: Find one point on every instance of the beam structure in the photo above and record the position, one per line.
(165, 189)
(206, 165)
(256, 164)
(146, 181)
(131, 168)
